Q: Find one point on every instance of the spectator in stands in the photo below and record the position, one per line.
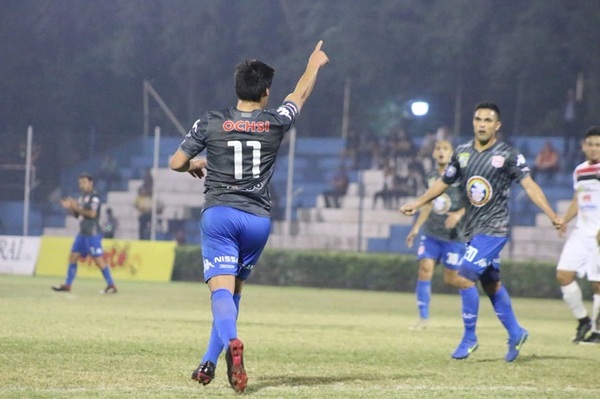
(338, 189)
(389, 188)
(571, 118)
(143, 203)
(110, 226)
(546, 163)
(109, 172)
(148, 180)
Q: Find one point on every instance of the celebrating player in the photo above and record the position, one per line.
(241, 146)
(441, 241)
(485, 167)
(89, 239)
(580, 255)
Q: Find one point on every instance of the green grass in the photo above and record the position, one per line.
(300, 343)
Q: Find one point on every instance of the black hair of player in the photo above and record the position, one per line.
(489, 105)
(86, 176)
(252, 79)
(592, 131)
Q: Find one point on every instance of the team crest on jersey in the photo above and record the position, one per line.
(442, 204)
(479, 191)
(463, 159)
(498, 161)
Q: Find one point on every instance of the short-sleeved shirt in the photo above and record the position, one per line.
(486, 177)
(89, 226)
(451, 200)
(241, 148)
(586, 183)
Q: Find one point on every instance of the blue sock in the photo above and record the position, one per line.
(107, 276)
(503, 307)
(71, 273)
(215, 345)
(224, 315)
(423, 297)
(470, 310)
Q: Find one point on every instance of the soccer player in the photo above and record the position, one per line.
(441, 240)
(485, 168)
(89, 240)
(241, 147)
(580, 255)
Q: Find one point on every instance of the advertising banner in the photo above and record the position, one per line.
(18, 254)
(128, 260)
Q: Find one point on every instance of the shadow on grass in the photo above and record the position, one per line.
(311, 380)
(531, 358)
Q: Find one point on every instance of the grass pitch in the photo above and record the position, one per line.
(145, 341)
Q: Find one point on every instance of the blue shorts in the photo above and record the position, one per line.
(88, 245)
(447, 252)
(232, 241)
(482, 259)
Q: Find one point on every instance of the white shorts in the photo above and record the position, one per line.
(581, 254)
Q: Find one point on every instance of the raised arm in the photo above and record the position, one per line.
(304, 87)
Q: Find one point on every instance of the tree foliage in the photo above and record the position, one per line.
(69, 66)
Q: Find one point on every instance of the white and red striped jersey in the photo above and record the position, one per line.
(586, 183)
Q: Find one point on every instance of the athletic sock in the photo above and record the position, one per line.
(71, 273)
(470, 311)
(224, 314)
(107, 276)
(596, 314)
(503, 308)
(574, 299)
(215, 345)
(423, 292)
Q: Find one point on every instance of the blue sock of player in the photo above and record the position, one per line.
(423, 297)
(503, 308)
(224, 314)
(108, 276)
(470, 310)
(215, 345)
(71, 273)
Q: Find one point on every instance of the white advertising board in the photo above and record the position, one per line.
(18, 254)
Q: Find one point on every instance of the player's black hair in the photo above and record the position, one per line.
(252, 79)
(592, 131)
(489, 105)
(86, 176)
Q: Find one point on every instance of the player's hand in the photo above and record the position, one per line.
(197, 168)
(410, 238)
(557, 222)
(409, 209)
(68, 202)
(318, 57)
(598, 237)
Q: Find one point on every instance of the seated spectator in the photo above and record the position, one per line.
(546, 164)
(388, 190)
(338, 190)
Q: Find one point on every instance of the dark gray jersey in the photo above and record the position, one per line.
(486, 178)
(89, 226)
(241, 148)
(450, 201)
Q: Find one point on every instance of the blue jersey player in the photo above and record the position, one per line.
(486, 168)
(241, 145)
(89, 240)
(441, 241)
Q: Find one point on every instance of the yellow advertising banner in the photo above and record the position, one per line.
(128, 260)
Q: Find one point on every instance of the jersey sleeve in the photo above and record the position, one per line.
(286, 114)
(195, 141)
(452, 173)
(517, 166)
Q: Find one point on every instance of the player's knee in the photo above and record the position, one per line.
(565, 277)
